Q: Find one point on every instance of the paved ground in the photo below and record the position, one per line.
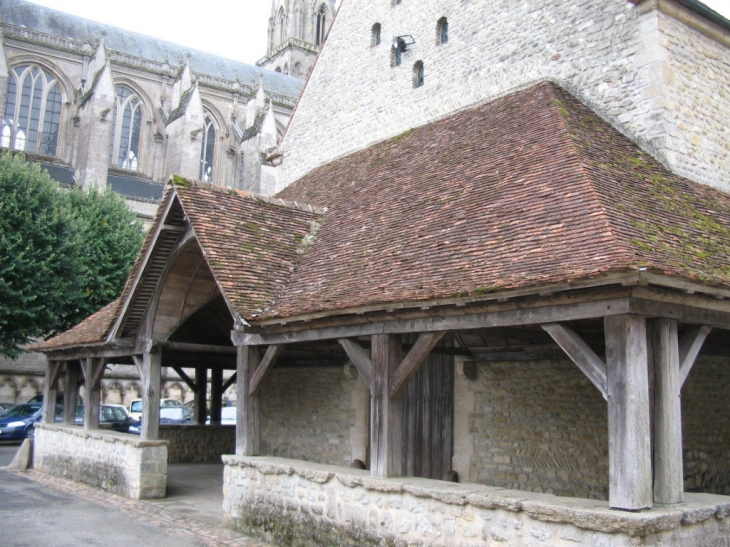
(37, 510)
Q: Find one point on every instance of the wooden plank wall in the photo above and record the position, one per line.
(428, 419)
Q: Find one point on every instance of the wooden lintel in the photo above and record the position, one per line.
(228, 383)
(413, 361)
(185, 378)
(272, 352)
(197, 348)
(360, 359)
(689, 348)
(580, 353)
(505, 318)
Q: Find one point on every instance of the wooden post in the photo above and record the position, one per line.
(70, 392)
(668, 467)
(216, 394)
(93, 372)
(248, 415)
(386, 414)
(50, 391)
(629, 441)
(201, 393)
(152, 364)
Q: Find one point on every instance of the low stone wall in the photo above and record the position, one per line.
(198, 443)
(118, 462)
(294, 503)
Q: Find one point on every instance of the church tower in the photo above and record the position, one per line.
(297, 30)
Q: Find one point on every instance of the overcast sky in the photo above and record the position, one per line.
(231, 28)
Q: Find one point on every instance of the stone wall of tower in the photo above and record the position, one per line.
(657, 79)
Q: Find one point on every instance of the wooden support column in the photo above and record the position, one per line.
(70, 392)
(668, 468)
(50, 391)
(216, 395)
(248, 416)
(629, 443)
(152, 380)
(386, 414)
(93, 370)
(201, 393)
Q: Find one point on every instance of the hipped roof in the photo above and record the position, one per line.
(528, 190)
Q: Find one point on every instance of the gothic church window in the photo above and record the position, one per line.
(375, 39)
(32, 111)
(418, 74)
(442, 31)
(321, 20)
(396, 56)
(126, 128)
(207, 150)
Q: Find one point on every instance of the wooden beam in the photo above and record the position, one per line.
(629, 438)
(689, 348)
(413, 361)
(50, 390)
(98, 369)
(151, 394)
(507, 318)
(216, 395)
(386, 414)
(201, 395)
(580, 353)
(667, 426)
(248, 415)
(272, 352)
(70, 391)
(139, 365)
(89, 367)
(360, 359)
(185, 378)
(197, 348)
(232, 380)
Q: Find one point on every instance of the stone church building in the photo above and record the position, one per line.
(489, 303)
(100, 106)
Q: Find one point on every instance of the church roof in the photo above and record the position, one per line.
(57, 23)
(527, 190)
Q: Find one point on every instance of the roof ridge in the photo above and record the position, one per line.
(300, 206)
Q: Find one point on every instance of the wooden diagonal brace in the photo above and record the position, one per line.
(360, 359)
(580, 353)
(413, 361)
(185, 378)
(689, 348)
(266, 363)
(232, 380)
(56, 368)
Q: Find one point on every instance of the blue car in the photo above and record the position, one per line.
(17, 423)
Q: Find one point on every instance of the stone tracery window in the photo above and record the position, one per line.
(321, 21)
(126, 129)
(32, 111)
(207, 150)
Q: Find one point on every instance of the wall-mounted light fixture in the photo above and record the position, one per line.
(401, 43)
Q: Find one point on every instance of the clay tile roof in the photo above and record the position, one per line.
(90, 331)
(251, 243)
(530, 189)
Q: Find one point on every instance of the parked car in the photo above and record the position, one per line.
(4, 407)
(109, 415)
(169, 415)
(135, 407)
(124, 410)
(228, 415)
(17, 422)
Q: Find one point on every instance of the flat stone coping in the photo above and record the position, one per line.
(588, 514)
(103, 435)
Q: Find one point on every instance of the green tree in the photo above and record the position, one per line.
(63, 253)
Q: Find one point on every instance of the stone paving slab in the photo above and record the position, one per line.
(178, 524)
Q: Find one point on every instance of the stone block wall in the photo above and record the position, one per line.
(539, 426)
(706, 426)
(642, 72)
(308, 505)
(307, 414)
(198, 443)
(121, 463)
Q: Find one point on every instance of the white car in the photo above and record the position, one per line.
(135, 407)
